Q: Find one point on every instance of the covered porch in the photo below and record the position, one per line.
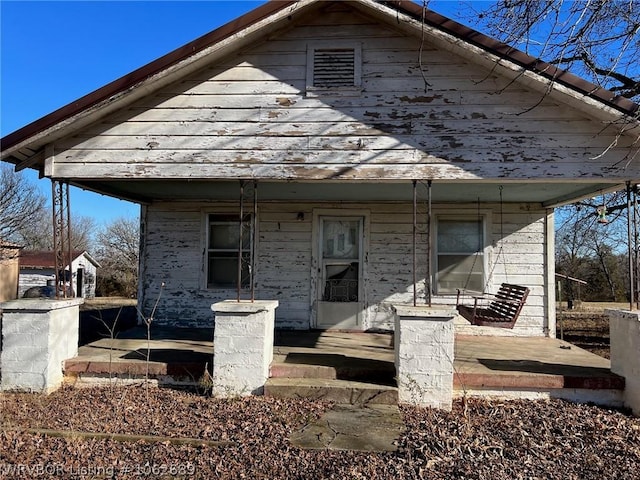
(350, 367)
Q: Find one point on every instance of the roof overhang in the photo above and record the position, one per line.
(548, 194)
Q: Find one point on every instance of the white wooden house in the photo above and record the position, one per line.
(37, 269)
(335, 109)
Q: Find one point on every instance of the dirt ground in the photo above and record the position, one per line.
(586, 326)
(249, 438)
(101, 317)
(98, 303)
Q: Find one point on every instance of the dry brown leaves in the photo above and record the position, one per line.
(478, 439)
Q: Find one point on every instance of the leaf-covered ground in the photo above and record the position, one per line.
(478, 439)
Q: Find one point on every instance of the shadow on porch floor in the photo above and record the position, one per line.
(481, 362)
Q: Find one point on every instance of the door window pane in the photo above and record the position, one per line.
(341, 284)
(341, 239)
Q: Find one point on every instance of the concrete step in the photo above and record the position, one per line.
(339, 391)
(354, 372)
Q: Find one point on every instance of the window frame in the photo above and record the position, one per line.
(226, 218)
(484, 216)
(355, 89)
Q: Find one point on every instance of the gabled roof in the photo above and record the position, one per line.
(25, 146)
(45, 259)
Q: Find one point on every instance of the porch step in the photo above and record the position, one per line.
(541, 382)
(339, 391)
(363, 371)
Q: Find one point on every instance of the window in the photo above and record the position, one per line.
(223, 249)
(460, 255)
(334, 68)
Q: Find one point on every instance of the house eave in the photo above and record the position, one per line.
(583, 194)
(548, 194)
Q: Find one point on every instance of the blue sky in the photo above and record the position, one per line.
(53, 52)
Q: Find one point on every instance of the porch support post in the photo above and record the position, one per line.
(429, 279)
(424, 339)
(624, 329)
(414, 252)
(243, 346)
(61, 209)
(630, 248)
(38, 335)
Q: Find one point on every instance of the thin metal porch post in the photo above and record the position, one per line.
(247, 188)
(428, 280)
(61, 218)
(414, 253)
(632, 249)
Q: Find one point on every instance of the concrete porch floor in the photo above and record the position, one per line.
(481, 363)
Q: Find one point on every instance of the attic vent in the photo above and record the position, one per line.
(334, 67)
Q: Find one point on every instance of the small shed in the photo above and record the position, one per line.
(37, 269)
(9, 261)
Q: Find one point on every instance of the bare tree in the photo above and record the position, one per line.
(591, 245)
(82, 232)
(21, 204)
(118, 252)
(38, 234)
(596, 39)
(26, 218)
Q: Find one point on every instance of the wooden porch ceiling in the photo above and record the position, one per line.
(548, 194)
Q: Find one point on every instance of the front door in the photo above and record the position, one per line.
(339, 290)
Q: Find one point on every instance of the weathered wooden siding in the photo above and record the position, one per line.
(174, 253)
(250, 116)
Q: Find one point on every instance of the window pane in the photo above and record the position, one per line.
(222, 259)
(341, 283)
(340, 239)
(225, 236)
(460, 249)
(459, 236)
(223, 270)
(460, 271)
(224, 231)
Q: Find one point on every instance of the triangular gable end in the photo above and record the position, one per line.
(26, 145)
